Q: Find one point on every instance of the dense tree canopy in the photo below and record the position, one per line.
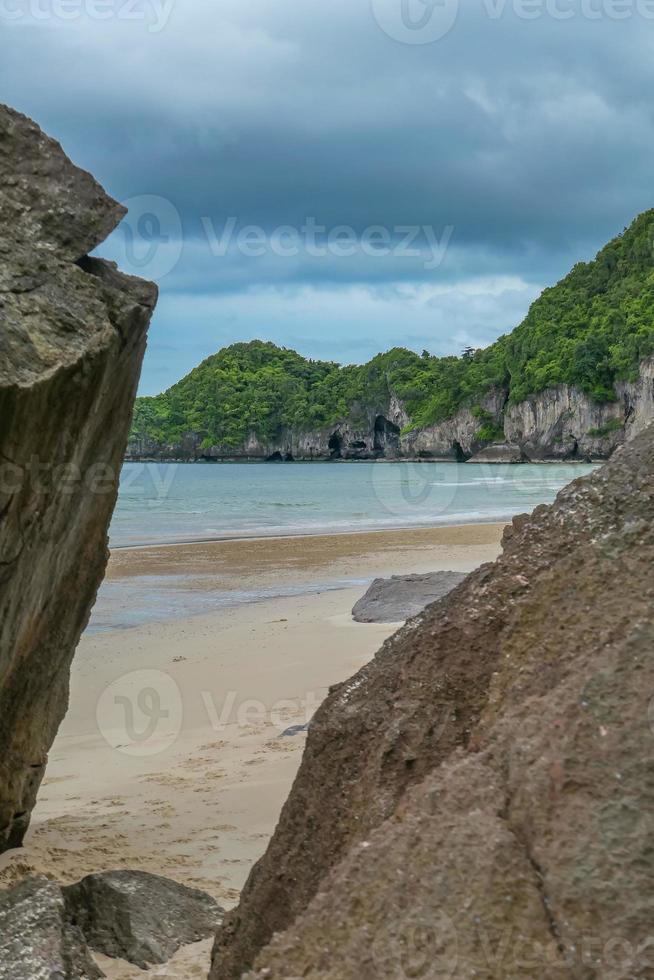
(590, 330)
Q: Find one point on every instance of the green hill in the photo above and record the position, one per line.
(590, 330)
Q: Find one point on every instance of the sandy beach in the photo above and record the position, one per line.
(172, 758)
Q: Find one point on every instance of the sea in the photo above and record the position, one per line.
(172, 503)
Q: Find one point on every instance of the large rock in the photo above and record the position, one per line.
(392, 600)
(71, 344)
(139, 917)
(478, 801)
(44, 200)
(37, 941)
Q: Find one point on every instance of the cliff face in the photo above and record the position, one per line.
(370, 432)
(560, 423)
(72, 338)
(457, 438)
(477, 801)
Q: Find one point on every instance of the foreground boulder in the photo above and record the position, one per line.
(392, 600)
(37, 941)
(478, 801)
(71, 343)
(139, 917)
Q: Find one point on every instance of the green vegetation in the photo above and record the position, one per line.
(490, 433)
(605, 430)
(590, 330)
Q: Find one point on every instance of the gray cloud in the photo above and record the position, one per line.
(533, 139)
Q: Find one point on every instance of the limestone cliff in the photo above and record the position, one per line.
(72, 337)
(370, 432)
(558, 424)
(478, 800)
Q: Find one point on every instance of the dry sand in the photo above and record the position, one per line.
(172, 758)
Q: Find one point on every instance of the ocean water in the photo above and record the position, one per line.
(170, 502)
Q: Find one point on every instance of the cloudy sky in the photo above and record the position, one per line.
(342, 176)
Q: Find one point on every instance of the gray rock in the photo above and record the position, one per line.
(72, 338)
(392, 600)
(44, 199)
(37, 942)
(294, 730)
(499, 454)
(139, 917)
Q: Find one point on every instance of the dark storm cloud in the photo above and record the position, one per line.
(532, 138)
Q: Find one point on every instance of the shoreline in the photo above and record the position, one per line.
(164, 583)
(277, 536)
(220, 564)
(256, 461)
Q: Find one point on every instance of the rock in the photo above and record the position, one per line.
(478, 800)
(294, 730)
(455, 439)
(392, 600)
(71, 344)
(499, 454)
(140, 917)
(44, 200)
(564, 423)
(37, 942)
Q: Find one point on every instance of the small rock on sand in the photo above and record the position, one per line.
(392, 600)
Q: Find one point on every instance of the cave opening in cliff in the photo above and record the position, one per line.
(459, 454)
(335, 445)
(387, 435)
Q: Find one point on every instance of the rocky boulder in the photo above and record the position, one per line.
(503, 453)
(37, 940)
(392, 600)
(478, 800)
(71, 344)
(140, 917)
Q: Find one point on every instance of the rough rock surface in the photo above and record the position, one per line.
(72, 338)
(392, 600)
(478, 801)
(37, 941)
(44, 200)
(140, 917)
(499, 454)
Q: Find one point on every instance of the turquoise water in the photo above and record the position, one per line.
(165, 503)
(168, 503)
